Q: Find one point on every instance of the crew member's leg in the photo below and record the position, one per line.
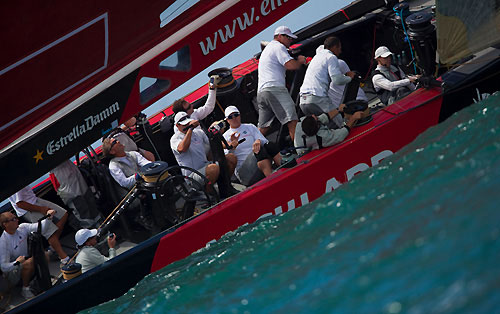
(212, 173)
(231, 163)
(27, 271)
(49, 232)
(61, 214)
(266, 115)
(282, 105)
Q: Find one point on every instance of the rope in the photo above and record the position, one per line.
(400, 14)
(219, 105)
(226, 84)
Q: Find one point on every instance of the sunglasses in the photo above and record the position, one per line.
(233, 115)
(183, 119)
(289, 37)
(113, 143)
(10, 220)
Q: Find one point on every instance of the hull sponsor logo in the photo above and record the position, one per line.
(240, 23)
(81, 128)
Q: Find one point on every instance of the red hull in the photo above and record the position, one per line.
(389, 131)
(77, 78)
(61, 50)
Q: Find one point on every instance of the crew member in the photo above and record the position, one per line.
(73, 190)
(88, 256)
(255, 152)
(323, 69)
(191, 149)
(273, 97)
(389, 81)
(202, 112)
(336, 92)
(14, 249)
(123, 135)
(313, 132)
(31, 208)
(124, 167)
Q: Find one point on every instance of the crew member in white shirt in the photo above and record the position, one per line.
(321, 71)
(256, 146)
(273, 97)
(14, 260)
(191, 148)
(31, 208)
(202, 112)
(336, 92)
(124, 165)
(389, 81)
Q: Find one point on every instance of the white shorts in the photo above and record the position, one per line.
(48, 227)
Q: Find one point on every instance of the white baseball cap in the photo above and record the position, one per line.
(383, 52)
(182, 118)
(283, 30)
(230, 109)
(83, 235)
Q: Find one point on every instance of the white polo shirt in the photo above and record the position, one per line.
(250, 133)
(272, 65)
(196, 156)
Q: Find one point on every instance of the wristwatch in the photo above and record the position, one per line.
(347, 127)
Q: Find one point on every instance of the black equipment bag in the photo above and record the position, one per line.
(41, 281)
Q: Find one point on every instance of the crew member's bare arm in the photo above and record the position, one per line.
(32, 207)
(295, 64)
(186, 141)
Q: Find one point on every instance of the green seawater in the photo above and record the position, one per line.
(417, 234)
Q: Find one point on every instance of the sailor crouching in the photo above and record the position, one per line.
(88, 256)
(312, 131)
(14, 249)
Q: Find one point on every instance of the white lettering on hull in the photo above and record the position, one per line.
(330, 185)
(87, 124)
(227, 32)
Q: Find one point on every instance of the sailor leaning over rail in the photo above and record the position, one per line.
(313, 132)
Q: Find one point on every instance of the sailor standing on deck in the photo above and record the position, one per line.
(390, 82)
(323, 69)
(273, 97)
(124, 165)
